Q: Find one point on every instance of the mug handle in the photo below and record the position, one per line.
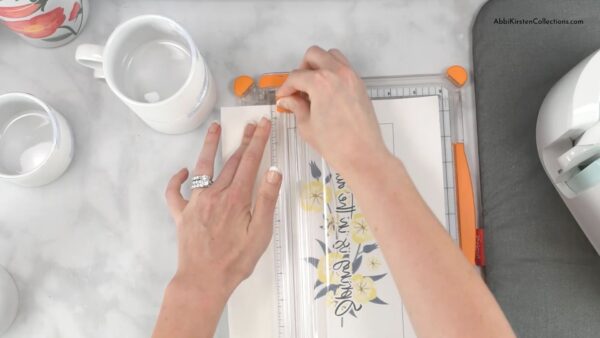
(89, 55)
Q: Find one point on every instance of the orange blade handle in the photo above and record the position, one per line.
(272, 80)
(465, 203)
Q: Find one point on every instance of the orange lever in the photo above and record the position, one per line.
(466, 203)
(272, 80)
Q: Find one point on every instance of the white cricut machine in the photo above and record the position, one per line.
(568, 142)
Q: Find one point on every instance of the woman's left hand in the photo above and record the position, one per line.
(220, 236)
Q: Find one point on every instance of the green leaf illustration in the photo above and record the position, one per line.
(69, 29)
(313, 261)
(377, 277)
(370, 247)
(322, 246)
(321, 293)
(315, 172)
(328, 178)
(377, 300)
(58, 38)
(356, 264)
(317, 284)
(42, 4)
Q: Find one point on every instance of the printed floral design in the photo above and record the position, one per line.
(315, 194)
(45, 25)
(342, 280)
(330, 299)
(364, 288)
(359, 229)
(373, 262)
(74, 11)
(40, 26)
(331, 221)
(325, 272)
(22, 11)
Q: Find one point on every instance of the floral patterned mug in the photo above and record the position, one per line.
(45, 23)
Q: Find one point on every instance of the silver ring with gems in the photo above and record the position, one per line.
(202, 181)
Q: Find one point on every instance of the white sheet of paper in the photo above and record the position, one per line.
(411, 130)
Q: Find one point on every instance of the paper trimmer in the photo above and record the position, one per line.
(298, 314)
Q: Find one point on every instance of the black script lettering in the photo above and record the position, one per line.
(341, 184)
(342, 245)
(346, 305)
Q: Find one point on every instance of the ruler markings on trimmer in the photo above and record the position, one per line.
(448, 161)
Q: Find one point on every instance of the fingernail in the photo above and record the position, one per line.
(281, 106)
(274, 175)
(249, 130)
(263, 122)
(214, 127)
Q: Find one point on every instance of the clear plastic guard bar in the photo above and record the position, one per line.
(300, 315)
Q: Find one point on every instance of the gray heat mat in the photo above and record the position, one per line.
(541, 268)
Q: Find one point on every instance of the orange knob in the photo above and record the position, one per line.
(242, 84)
(457, 75)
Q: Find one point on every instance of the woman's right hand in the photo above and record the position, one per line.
(333, 111)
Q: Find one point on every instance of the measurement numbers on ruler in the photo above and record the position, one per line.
(277, 232)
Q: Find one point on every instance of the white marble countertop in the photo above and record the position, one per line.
(92, 252)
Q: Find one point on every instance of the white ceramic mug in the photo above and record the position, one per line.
(152, 64)
(9, 300)
(36, 144)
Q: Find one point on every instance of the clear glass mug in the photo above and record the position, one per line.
(45, 23)
(152, 64)
(36, 143)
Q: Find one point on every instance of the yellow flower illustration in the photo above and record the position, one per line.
(373, 262)
(330, 300)
(325, 271)
(359, 229)
(331, 224)
(364, 289)
(314, 195)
